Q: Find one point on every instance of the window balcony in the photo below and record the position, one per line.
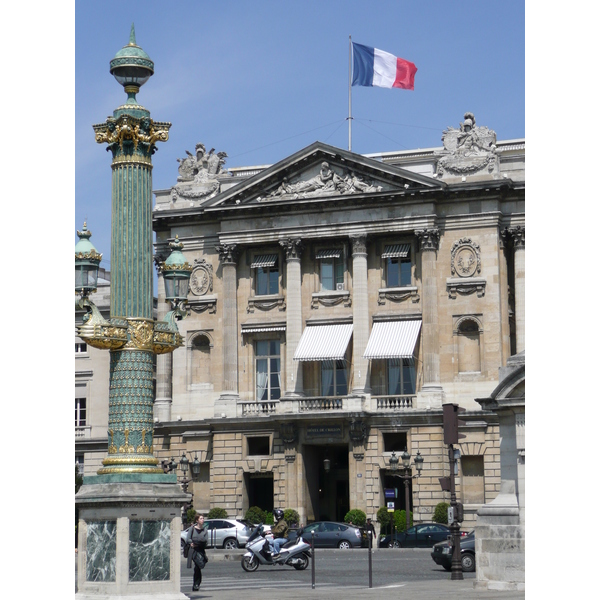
(83, 432)
(394, 403)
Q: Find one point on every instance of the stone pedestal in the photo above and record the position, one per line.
(129, 537)
(500, 542)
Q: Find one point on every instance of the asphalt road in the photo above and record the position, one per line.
(333, 569)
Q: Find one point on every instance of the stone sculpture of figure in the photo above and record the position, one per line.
(212, 162)
(467, 142)
(323, 181)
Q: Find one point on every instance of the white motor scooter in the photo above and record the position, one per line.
(295, 553)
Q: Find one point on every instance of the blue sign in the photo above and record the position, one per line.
(389, 493)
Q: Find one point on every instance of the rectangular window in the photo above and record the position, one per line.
(332, 273)
(80, 412)
(394, 441)
(259, 446)
(267, 274)
(401, 376)
(398, 272)
(80, 347)
(334, 378)
(268, 370)
(267, 280)
(79, 463)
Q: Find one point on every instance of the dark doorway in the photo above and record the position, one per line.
(260, 490)
(395, 483)
(328, 490)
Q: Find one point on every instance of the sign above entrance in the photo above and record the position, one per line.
(324, 431)
(390, 492)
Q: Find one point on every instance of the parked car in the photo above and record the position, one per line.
(442, 553)
(225, 533)
(330, 534)
(424, 535)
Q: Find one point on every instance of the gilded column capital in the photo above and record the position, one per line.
(228, 253)
(429, 239)
(293, 248)
(359, 244)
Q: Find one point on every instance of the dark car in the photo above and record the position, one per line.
(330, 534)
(442, 553)
(424, 535)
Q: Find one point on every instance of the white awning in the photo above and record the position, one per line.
(393, 339)
(324, 342)
(258, 328)
(264, 260)
(329, 253)
(396, 251)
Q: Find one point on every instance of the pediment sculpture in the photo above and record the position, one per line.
(325, 183)
(468, 150)
(199, 174)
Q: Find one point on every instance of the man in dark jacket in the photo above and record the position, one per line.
(279, 531)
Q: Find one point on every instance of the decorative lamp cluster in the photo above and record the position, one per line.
(87, 262)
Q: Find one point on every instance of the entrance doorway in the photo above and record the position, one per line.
(259, 490)
(328, 490)
(395, 483)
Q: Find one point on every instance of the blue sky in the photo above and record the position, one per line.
(261, 80)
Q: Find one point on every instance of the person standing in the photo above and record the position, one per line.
(197, 537)
(279, 531)
(369, 527)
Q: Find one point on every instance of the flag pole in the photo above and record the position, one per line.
(350, 95)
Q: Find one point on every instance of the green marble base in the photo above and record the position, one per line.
(130, 478)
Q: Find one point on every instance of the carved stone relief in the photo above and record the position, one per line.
(199, 174)
(327, 182)
(465, 258)
(468, 150)
(201, 279)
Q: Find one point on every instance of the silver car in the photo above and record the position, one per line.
(225, 533)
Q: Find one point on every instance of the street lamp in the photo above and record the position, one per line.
(406, 476)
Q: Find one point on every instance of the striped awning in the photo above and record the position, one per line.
(393, 339)
(264, 260)
(324, 342)
(328, 253)
(259, 328)
(396, 251)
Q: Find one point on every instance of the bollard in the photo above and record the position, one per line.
(312, 547)
(370, 559)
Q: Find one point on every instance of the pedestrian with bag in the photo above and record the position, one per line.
(197, 538)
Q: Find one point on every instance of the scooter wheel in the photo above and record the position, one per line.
(302, 564)
(249, 563)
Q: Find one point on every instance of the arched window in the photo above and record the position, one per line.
(469, 351)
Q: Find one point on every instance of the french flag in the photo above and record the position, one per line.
(382, 69)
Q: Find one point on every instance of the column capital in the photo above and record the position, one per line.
(517, 234)
(228, 253)
(359, 244)
(293, 248)
(429, 239)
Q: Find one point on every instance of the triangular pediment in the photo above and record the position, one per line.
(320, 171)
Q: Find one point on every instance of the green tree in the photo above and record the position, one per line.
(357, 516)
(217, 513)
(440, 513)
(256, 515)
(400, 520)
(292, 518)
(384, 519)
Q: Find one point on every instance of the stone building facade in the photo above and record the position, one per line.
(337, 301)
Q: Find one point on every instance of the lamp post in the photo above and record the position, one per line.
(406, 476)
(130, 509)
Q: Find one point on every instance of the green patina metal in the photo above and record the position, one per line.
(131, 136)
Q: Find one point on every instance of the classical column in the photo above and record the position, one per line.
(503, 245)
(293, 320)
(431, 392)
(164, 362)
(518, 236)
(228, 254)
(360, 314)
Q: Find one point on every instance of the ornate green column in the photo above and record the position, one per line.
(131, 335)
(130, 512)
